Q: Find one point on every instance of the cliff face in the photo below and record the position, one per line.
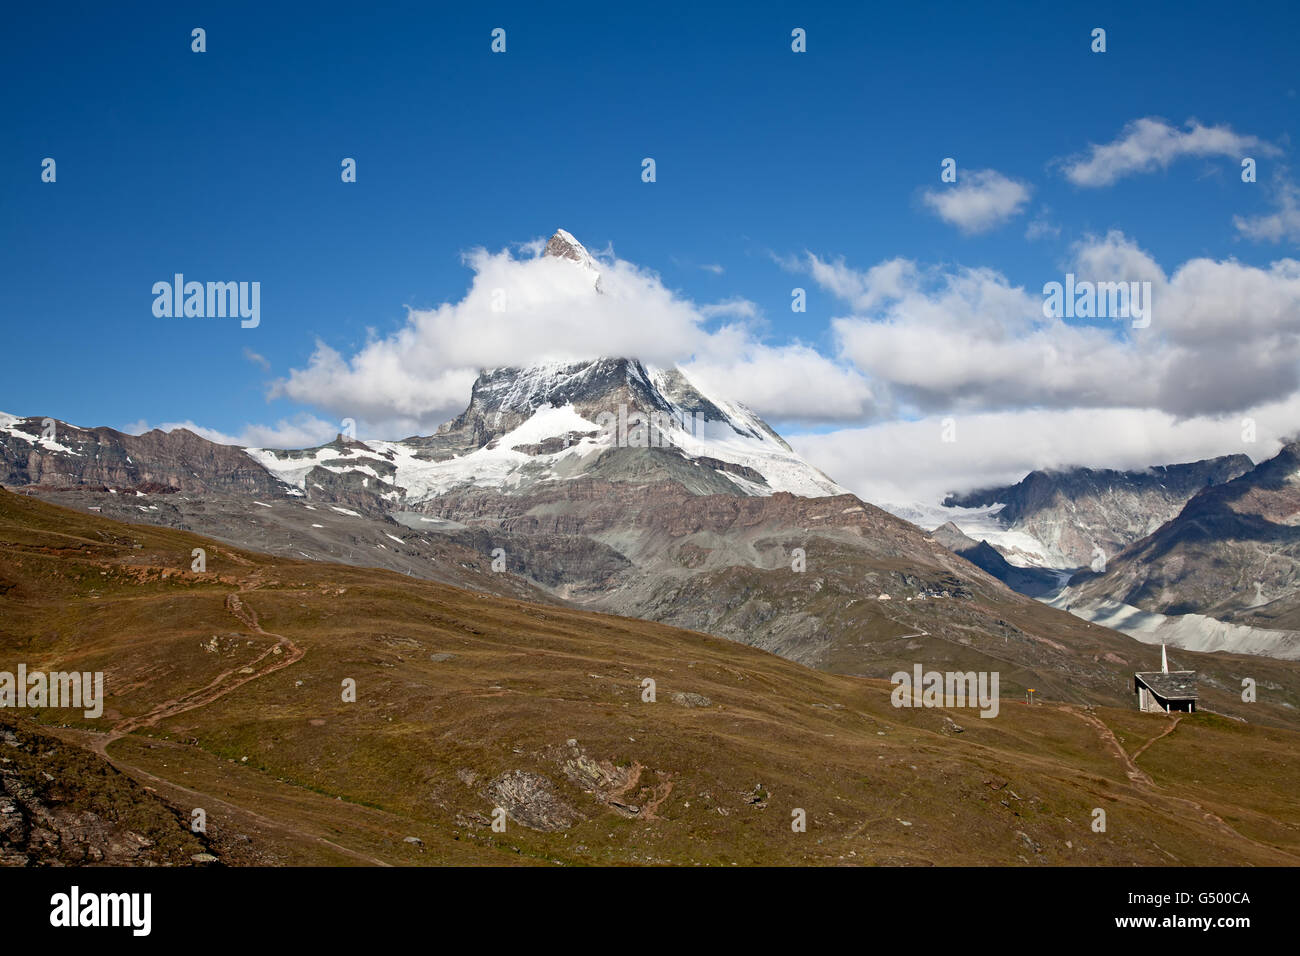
(1232, 553)
(153, 462)
(1075, 512)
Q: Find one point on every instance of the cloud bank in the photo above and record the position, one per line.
(529, 309)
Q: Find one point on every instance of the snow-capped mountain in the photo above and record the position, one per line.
(562, 245)
(612, 418)
(1225, 569)
(1079, 516)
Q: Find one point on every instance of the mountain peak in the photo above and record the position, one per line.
(609, 418)
(562, 245)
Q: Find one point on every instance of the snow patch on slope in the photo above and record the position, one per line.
(981, 524)
(8, 426)
(1191, 632)
(293, 468)
(741, 439)
(495, 465)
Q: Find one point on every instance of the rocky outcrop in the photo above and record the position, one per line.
(178, 460)
(63, 806)
(531, 800)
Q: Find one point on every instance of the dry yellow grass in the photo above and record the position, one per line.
(466, 701)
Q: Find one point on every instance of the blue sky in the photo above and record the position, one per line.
(225, 166)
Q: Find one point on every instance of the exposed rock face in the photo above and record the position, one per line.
(531, 799)
(1232, 553)
(352, 489)
(689, 699)
(504, 398)
(155, 461)
(562, 245)
(62, 806)
(1034, 582)
(1073, 513)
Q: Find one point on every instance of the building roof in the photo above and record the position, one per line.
(1176, 685)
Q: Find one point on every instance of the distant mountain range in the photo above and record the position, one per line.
(616, 485)
(1231, 555)
(613, 486)
(1071, 518)
(1170, 554)
(1198, 555)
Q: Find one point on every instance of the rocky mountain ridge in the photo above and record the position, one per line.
(1075, 517)
(1231, 554)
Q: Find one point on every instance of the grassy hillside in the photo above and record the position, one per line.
(224, 692)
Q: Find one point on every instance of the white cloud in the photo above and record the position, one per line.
(1114, 257)
(1041, 228)
(906, 462)
(301, 431)
(978, 201)
(419, 376)
(736, 307)
(1279, 225)
(863, 290)
(1150, 143)
(533, 247)
(1223, 336)
(792, 382)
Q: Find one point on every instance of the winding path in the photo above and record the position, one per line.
(276, 657)
(1142, 779)
(286, 650)
(1164, 733)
